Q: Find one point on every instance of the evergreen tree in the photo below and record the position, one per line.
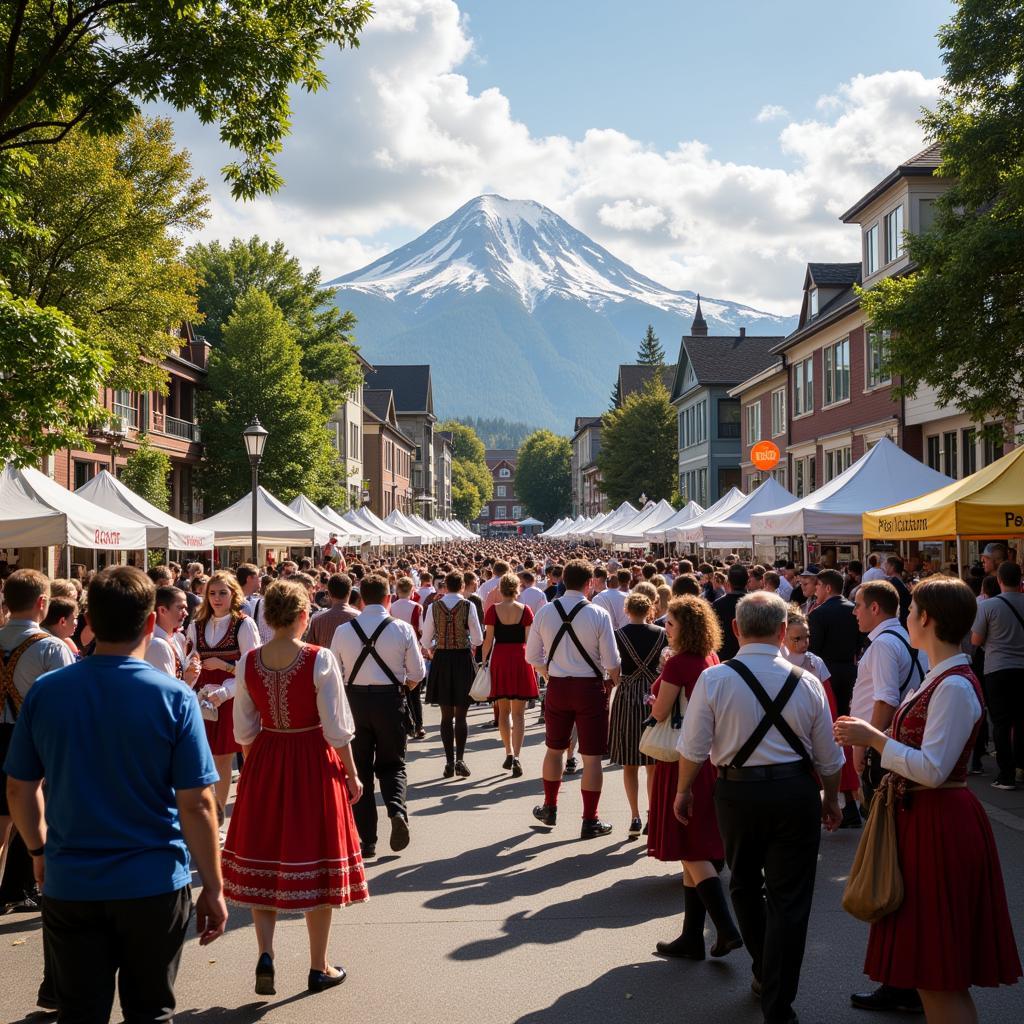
(638, 447)
(616, 397)
(544, 475)
(650, 352)
(146, 471)
(257, 371)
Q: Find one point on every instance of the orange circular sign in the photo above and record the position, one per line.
(765, 455)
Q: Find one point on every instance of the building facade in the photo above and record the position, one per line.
(346, 430)
(504, 506)
(387, 455)
(444, 452)
(764, 411)
(587, 497)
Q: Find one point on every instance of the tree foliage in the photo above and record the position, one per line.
(543, 475)
(638, 447)
(323, 332)
(98, 239)
(146, 471)
(93, 63)
(497, 432)
(257, 371)
(958, 320)
(471, 479)
(650, 352)
(616, 395)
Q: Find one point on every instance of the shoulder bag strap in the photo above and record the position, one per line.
(772, 714)
(565, 629)
(9, 693)
(1016, 614)
(915, 662)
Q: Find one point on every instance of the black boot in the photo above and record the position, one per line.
(713, 896)
(690, 944)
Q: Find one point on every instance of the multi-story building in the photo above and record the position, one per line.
(708, 416)
(634, 377)
(763, 417)
(444, 452)
(387, 454)
(587, 497)
(413, 393)
(504, 506)
(167, 420)
(346, 430)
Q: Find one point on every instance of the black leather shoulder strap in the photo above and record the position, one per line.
(370, 651)
(915, 659)
(772, 714)
(565, 629)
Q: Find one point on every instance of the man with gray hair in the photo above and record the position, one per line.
(768, 729)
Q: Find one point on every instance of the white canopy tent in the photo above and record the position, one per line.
(365, 518)
(465, 530)
(403, 526)
(656, 534)
(275, 523)
(431, 531)
(529, 521)
(725, 504)
(884, 476)
(731, 529)
(309, 513)
(162, 529)
(444, 527)
(370, 537)
(632, 533)
(552, 531)
(623, 514)
(36, 512)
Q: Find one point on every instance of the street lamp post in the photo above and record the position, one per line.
(255, 437)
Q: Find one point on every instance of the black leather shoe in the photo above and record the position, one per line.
(399, 833)
(635, 828)
(546, 814)
(449, 771)
(594, 829)
(683, 948)
(508, 762)
(369, 850)
(462, 769)
(851, 816)
(319, 981)
(265, 976)
(571, 766)
(888, 999)
(517, 768)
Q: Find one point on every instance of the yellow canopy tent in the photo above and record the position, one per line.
(989, 503)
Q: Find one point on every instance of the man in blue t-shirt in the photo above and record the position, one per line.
(128, 796)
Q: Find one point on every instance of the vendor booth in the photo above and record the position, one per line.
(732, 528)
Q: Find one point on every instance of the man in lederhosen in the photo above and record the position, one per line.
(572, 643)
(380, 659)
(768, 728)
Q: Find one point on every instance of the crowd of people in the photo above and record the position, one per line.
(792, 695)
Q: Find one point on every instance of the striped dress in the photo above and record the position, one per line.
(640, 647)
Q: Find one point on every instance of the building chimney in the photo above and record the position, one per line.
(743, 332)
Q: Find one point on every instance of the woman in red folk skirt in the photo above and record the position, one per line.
(693, 637)
(292, 844)
(513, 681)
(953, 928)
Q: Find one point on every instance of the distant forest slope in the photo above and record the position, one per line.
(498, 433)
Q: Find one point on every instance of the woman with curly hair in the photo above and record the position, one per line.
(694, 634)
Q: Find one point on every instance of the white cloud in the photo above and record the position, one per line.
(399, 141)
(771, 112)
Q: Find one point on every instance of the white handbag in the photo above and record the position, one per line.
(481, 688)
(659, 740)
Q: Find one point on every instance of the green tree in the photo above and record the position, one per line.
(638, 447)
(650, 352)
(957, 322)
(543, 475)
(616, 396)
(324, 333)
(471, 479)
(146, 471)
(98, 238)
(95, 62)
(257, 371)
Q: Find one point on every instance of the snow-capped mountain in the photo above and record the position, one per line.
(520, 314)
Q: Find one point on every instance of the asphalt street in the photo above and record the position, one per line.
(489, 919)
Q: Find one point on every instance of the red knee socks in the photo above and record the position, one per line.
(590, 799)
(551, 793)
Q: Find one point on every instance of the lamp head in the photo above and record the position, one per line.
(255, 438)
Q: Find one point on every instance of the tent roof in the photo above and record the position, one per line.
(301, 506)
(431, 532)
(529, 521)
(656, 534)
(404, 526)
(988, 503)
(162, 529)
(36, 511)
(389, 535)
(731, 528)
(360, 534)
(623, 514)
(275, 523)
(646, 519)
(725, 504)
(885, 475)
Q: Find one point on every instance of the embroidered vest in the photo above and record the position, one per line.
(451, 625)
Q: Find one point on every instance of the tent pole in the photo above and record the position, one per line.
(959, 558)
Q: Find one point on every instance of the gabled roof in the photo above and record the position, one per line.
(379, 406)
(833, 275)
(723, 359)
(411, 385)
(584, 423)
(633, 377)
(921, 165)
(495, 455)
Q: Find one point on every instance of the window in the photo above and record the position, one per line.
(124, 406)
(836, 372)
(83, 473)
(949, 453)
(993, 447)
(969, 438)
(878, 358)
(693, 424)
(753, 422)
(813, 301)
(419, 453)
(778, 412)
(728, 418)
(504, 472)
(933, 453)
(894, 234)
(798, 477)
(926, 214)
(501, 511)
(500, 491)
(836, 461)
(517, 511)
(871, 250)
(353, 441)
(803, 387)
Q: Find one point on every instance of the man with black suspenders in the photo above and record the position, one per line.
(380, 659)
(572, 643)
(768, 729)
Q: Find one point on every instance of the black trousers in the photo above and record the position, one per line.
(379, 752)
(844, 675)
(771, 832)
(415, 698)
(1005, 692)
(138, 942)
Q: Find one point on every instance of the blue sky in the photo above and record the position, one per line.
(645, 133)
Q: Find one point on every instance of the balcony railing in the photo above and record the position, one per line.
(185, 429)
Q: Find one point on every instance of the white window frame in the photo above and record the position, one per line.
(504, 472)
(812, 302)
(871, 251)
(752, 419)
(833, 375)
(894, 226)
(837, 460)
(778, 401)
(880, 341)
(803, 387)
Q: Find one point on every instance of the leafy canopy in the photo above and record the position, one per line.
(94, 63)
(471, 479)
(146, 471)
(543, 475)
(958, 320)
(257, 371)
(638, 447)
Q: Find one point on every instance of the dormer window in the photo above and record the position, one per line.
(894, 234)
(871, 251)
(813, 299)
(504, 473)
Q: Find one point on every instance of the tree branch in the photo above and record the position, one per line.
(12, 45)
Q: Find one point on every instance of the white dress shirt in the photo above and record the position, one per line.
(397, 645)
(593, 626)
(785, 588)
(953, 712)
(485, 588)
(331, 703)
(614, 603)
(476, 634)
(43, 656)
(882, 669)
(533, 598)
(216, 628)
(723, 712)
(873, 573)
(160, 655)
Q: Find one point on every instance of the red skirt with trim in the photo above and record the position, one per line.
(953, 929)
(292, 842)
(512, 677)
(667, 838)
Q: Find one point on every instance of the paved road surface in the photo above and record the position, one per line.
(486, 920)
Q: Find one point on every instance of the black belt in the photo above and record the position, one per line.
(369, 688)
(763, 772)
